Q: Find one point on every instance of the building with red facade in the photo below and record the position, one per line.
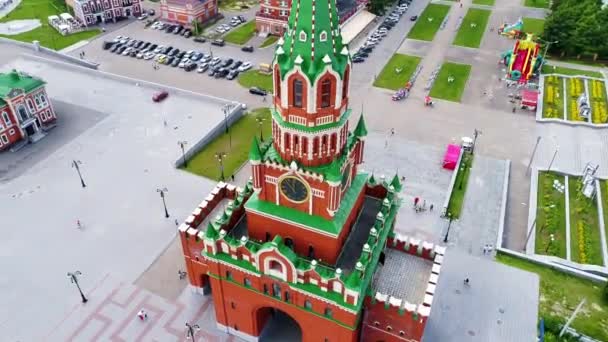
(311, 236)
(92, 12)
(25, 109)
(187, 11)
(273, 15)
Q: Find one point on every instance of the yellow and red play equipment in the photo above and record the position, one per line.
(523, 61)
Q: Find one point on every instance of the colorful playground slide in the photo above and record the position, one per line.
(512, 30)
(523, 60)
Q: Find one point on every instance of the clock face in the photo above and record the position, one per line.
(294, 189)
(345, 176)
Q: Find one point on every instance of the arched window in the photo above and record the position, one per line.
(43, 98)
(311, 252)
(296, 143)
(7, 120)
(287, 138)
(297, 89)
(323, 36)
(345, 83)
(315, 145)
(289, 243)
(276, 266)
(302, 36)
(325, 93)
(307, 304)
(30, 106)
(277, 82)
(334, 141)
(305, 145)
(276, 290)
(328, 312)
(324, 144)
(37, 101)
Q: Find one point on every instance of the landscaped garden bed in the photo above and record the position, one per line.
(550, 216)
(598, 102)
(460, 185)
(560, 293)
(553, 98)
(255, 78)
(397, 71)
(235, 145)
(575, 87)
(429, 21)
(585, 238)
(472, 28)
(452, 90)
(241, 34)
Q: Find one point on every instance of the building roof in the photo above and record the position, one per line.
(499, 304)
(312, 39)
(17, 80)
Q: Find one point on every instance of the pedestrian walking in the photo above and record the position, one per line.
(431, 207)
(264, 98)
(514, 109)
(165, 122)
(416, 201)
(176, 222)
(78, 224)
(143, 315)
(424, 204)
(461, 5)
(466, 281)
(392, 132)
(232, 177)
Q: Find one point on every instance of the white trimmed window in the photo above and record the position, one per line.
(323, 36)
(48, 114)
(266, 10)
(43, 116)
(37, 99)
(4, 139)
(7, 120)
(30, 106)
(283, 3)
(302, 36)
(43, 99)
(11, 132)
(275, 268)
(283, 13)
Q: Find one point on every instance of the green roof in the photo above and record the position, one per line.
(360, 130)
(309, 22)
(15, 79)
(332, 227)
(254, 152)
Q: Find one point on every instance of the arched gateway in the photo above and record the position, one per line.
(276, 325)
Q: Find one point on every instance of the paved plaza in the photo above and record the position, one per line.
(126, 153)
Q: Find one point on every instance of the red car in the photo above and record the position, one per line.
(160, 96)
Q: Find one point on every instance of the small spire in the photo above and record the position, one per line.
(254, 152)
(361, 130)
(396, 183)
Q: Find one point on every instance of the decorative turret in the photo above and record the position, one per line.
(255, 158)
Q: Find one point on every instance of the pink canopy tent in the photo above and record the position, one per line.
(529, 98)
(451, 157)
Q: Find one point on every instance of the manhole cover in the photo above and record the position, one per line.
(471, 333)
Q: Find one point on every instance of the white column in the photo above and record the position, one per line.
(310, 141)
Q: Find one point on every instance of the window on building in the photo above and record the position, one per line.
(296, 143)
(276, 290)
(328, 312)
(43, 115)
(311, 252)
(228, 275)
(247, 282)
(233, 305)
(277, 83)
(402, 333)
(323, 36)
(37, 99)
(283, 13)
(345, 84)
(302, 36)
(283, 4)
(334, 141)
(265, 289)
(267, 236)
(289, 243)
(307, 304)
(30, 106)
(287, 296)
(389, 328)
(6, 119)
(4, 139)
(276, 266)
(236, 327)
(325, 93)
(22, 113)
(266, 10)
(298, 88)
(43, 98)
(315, 145)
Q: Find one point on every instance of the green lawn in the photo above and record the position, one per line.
(472, 28)
(533, 25)
(460, 185)
(551, 69)
(390, 79)
(537, 3)
(598, 102)
(585, 238)
(428, 22)
(550, 216)
(254, 78)
(236, 5)
(604, 190)
(241, 34)
(241, 135)
(553, 97)
(451, 91)
(560, 293)
(47, 35)
(484, 2)
(269, 41)
(574, 88)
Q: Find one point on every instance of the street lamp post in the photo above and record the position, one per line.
(445, 238)
(476, 132)
(260, 121)
(226, 109)
(74, 279)
(552, 160)
(162, 195)
(547, 48)
(533, 154)
(551, 239)
(191, 329)
(75, 164)
(220, 158)
(183, 144)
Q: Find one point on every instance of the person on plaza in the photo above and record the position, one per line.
(142, 315)
(232, 177)
(431, 207)
(78, 224)
(392, 132)
(176, 222)
(466, 281)
(416, 201)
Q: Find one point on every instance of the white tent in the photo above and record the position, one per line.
(66, 16)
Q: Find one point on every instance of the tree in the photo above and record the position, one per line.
(378, 7)
(196, 27)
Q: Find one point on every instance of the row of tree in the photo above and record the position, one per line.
(580, 27)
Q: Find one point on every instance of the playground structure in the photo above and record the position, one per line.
(589, 180)
(512, 31)
(523, 61)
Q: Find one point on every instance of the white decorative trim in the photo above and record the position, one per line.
(278, 218)
(271, 179)
(239, 268)
(274, 273)
(324, 300)
(318, 193)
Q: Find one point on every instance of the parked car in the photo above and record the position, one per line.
(358, 60)
(151, 12)
(221, 73)
(211, 72)
(175, 63)
(227, 62)
(188, 34)
(173, 52)
(232, 74)
(258, 91)
(215, 61)
(160, 96)
(413, 18)
(181, 54)
(202, 67)
(190, 67)
(200, 39)
(361, 54)
(115, 47)
(247, 48)
(117, 39)
(218, 42)
(149, 55)
(245, 66)
(143, 16)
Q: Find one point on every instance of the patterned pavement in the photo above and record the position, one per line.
(111, 315)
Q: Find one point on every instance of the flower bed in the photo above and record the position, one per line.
(550, 216)
(585, 238)
(553, 100)
(576, 87)
(604, 190)
(597, 99)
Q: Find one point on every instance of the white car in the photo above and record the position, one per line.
(373, 40)
(142, 17)
(380, 33)
(245, 66)
(158, 48)
(118, 39)
(149, 55)
(140, 55)
(215, 60)
(127, 51)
